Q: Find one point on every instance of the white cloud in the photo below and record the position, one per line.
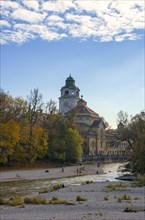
(39, 30)
(93, 6)
(5, 23)
(126, 37)
(28, 16)
(31, 4)
(9, 4)
(58, 6)
(16, 36)
(99, 20)
(55, 18)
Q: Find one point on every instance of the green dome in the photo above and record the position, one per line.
(70, 82)
(70, 78)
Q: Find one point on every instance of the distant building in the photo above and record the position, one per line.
(97, 142)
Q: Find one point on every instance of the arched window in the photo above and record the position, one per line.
(66, 92)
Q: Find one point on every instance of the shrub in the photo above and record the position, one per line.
(2, 201)
(126, 197)
(88, 182)
(140, 181)
(105, 198)
(99, 213)
(128, 209)
(17, 201)
(79, 198)
(119, 199)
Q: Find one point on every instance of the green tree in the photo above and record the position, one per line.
(64, 142)
(134, 134)
(57, 130)
(74, 142)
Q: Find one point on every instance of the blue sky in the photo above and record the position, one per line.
(100, 43)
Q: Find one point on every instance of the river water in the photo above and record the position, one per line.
(35, 185)
(110, 174)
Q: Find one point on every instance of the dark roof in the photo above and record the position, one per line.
(82, 124)
(70, 78)
(83, 109)
(70, 84)
(81, 102)
(96, 123)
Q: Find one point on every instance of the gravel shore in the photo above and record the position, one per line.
(102, 203)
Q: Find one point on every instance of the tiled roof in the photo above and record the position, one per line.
(82, 108)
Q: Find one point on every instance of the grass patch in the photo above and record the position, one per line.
(124, 197)
(119, 200)
(56, 201)
(35, 200)
(43, 191)
(117, 185)
(16, 201)
(57, 186)
(99, 214)
(79, 199)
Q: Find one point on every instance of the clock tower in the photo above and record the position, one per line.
(69, 95)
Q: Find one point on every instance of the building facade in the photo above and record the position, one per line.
(97, 141)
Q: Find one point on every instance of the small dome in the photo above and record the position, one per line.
(70, 78)
(70, 82)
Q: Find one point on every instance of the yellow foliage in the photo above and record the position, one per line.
(9, 137)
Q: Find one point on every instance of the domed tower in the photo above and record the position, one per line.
(69, 95)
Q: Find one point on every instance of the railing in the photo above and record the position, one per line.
(105, 158)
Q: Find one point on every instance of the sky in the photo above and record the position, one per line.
(99, 42)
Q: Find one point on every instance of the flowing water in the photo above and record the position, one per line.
(110, 173)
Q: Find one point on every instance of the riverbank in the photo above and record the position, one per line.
(51, 173)
(102, 201)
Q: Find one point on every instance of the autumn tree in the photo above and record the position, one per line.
(29, 150)
(9, 137)
(6, 107)
(50, 107)
(35, 107)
